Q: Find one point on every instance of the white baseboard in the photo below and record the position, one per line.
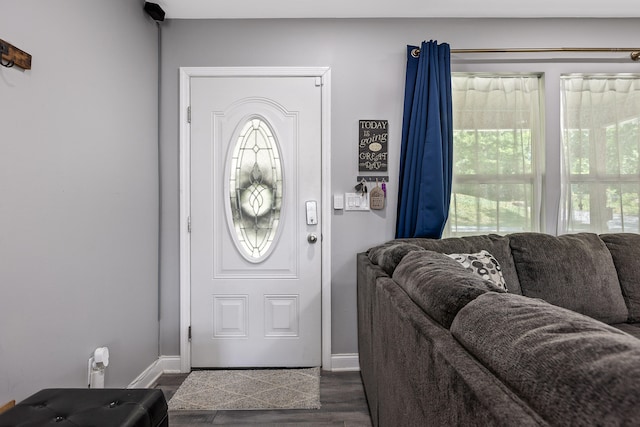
(164, 365)
(345, 362)
(171, 365)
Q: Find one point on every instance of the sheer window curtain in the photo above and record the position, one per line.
(600, 154)
(496, 153)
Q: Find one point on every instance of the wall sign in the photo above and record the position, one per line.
(372, 145)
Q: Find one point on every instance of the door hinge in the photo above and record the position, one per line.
(189, 225)
(189, 114)
(189, 333)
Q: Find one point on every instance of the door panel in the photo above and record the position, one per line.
(255, 277)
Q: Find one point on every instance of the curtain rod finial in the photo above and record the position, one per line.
(635, 55)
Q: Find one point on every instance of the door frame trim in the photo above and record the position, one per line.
(186, 73)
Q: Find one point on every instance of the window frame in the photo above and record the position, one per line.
(533, 179)
(550, 68)
(598, 178)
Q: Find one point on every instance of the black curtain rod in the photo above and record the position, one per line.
(634, 53)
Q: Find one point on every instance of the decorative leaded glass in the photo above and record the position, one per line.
(255, 189)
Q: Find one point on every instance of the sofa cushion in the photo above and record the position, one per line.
(625, 251)
(496, 245)
(632, 329)
(389, 254)
(439, 285)
(571, 369)
(484, 265)
(573, 271)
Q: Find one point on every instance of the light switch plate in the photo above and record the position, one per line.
(356, 202)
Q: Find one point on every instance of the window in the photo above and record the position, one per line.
(600, 147)
(255, 189)
(496, 140)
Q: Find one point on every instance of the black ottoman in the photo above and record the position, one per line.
(89, 408)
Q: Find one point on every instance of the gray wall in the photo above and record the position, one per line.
(78, 194)
(367, 58)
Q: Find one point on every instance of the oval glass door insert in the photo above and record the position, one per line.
(255, 190)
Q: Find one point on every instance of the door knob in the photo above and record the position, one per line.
(312, 238)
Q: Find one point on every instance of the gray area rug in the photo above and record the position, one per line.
(245, 389)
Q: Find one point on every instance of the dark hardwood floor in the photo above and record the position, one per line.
(341, 396)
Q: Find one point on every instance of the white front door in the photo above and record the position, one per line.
(255, 221)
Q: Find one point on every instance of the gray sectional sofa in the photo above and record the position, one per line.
(442, 343)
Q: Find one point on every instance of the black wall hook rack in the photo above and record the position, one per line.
(373, 178)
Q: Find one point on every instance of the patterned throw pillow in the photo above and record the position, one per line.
(483, 264)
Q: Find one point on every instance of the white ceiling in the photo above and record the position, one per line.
(239, 9)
